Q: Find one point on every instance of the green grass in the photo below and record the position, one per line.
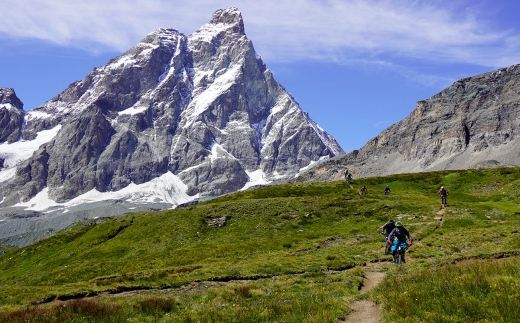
(293, 240)
(472, 291)
(317, 297)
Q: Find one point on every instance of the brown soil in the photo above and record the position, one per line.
(371, 280)
(366, 311)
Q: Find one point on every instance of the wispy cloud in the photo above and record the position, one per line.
(282, 30)
(382, 123)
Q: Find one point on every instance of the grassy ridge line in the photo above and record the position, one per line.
(279, 230)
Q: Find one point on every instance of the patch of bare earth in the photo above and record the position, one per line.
(366, 311)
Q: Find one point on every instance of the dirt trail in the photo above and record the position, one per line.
(366, 311)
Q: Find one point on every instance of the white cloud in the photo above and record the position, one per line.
(282, 30)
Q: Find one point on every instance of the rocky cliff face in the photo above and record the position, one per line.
(203, 107)
(473, 123)
(11, 116)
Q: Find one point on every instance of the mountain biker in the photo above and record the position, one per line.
(443, 193)
(387, 189)
(385, 230)
(349, 178)
(398, 237)
(363, 190)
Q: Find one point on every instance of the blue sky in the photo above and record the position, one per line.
(357, 66)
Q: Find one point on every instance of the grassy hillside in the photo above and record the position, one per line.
(287, 253)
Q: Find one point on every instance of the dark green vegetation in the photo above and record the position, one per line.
(291, 253)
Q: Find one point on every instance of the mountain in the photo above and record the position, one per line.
(11, 117)
(192, 116)
(473, 123)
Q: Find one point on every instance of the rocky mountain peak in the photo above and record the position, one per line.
(8, 96)
(198, 115)
(11, 117)
(230, 16)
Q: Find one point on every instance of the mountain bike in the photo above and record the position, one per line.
(443, 200)
(399, 253)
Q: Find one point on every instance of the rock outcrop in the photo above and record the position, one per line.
(11, 116)
(473, 123)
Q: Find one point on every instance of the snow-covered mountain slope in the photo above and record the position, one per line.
(203, 108)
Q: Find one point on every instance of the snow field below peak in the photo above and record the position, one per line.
(17, 152)
(167, 188)
(256, 177)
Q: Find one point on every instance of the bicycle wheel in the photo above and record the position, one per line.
(399, 256)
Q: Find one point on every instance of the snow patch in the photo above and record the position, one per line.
(209, 31)
(202, 101)
(258, 127)
(8, 106)
(277, 176)
(255, 178)
(36, 114)
(217, 151)
(22, 150)
(7, 174)
(167, 188)
(214, 152)
(311, 164)
(40, 202)
(133, 110)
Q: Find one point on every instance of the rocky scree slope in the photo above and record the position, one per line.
(203, 107)
(473, 123)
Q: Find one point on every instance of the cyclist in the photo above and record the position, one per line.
(386, 230)
(363, 190)
(398, 237)
(349, 178)
(443, 193)
(387, 190)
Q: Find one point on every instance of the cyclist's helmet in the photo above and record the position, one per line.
(398, 224)
(391, 221)
(442, 187)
